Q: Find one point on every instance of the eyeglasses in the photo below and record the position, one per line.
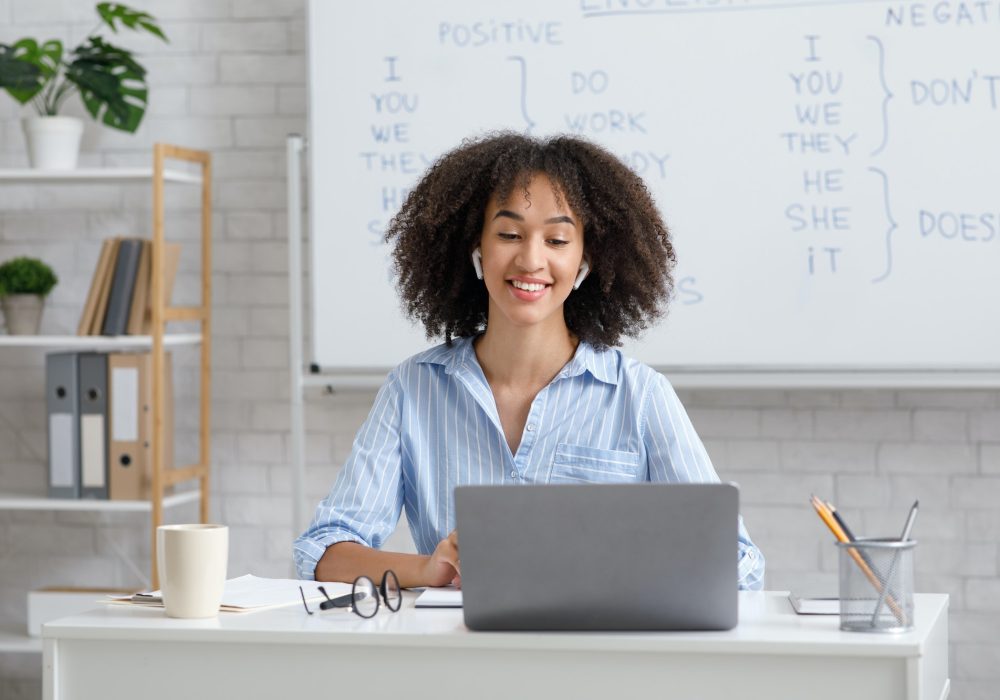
(363, 600)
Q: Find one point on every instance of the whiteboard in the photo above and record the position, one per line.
(830, 171)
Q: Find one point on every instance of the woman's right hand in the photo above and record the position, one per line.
(444, 566)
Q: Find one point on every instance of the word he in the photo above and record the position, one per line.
(393, 197)
(920, 14)
(981, 228)
(494, 32)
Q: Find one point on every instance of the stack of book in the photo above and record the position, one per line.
(120, 297)
(100, 424)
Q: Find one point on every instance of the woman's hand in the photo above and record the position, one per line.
(444, 566)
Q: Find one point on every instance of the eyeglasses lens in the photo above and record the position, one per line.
(392, 592)
(365, 597)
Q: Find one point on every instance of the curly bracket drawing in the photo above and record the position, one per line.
(892, 226)
(888, 95)
(524, 91)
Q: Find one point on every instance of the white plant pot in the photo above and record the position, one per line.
(53, 142)
(22, 313)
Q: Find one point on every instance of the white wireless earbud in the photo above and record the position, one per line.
(584, 271)
(477, 262)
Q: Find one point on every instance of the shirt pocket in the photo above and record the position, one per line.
(576, 464)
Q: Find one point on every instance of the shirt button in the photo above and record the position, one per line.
(531, 427)
(513, 473)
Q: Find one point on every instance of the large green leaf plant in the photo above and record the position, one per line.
(110, 81)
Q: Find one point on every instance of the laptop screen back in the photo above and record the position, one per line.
(646, 556)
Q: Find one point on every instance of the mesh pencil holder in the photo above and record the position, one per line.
(876, 585)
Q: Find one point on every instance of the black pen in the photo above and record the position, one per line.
(840, 521)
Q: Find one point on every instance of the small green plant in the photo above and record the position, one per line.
(26, 276)
(110, 81)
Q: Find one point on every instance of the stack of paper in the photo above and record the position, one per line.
(250, 593)
(447, 597)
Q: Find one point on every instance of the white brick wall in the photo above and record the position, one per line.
(233, 80)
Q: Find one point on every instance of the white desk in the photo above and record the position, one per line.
(117, 652)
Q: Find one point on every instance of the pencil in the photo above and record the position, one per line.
(827, 517)
(850, 535)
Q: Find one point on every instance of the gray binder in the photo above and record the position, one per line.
(93, 391)
(63, 408)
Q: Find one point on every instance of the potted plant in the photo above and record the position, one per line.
(110, 82)
(24, 284)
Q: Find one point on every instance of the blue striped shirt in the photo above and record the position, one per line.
(435, 426)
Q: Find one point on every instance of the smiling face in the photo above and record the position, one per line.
(532, 247)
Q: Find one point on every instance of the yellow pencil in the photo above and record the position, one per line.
(827, 517)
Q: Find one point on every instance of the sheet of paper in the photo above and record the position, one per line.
(251, 592)
(447, 597)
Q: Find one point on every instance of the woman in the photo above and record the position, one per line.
(531, 258)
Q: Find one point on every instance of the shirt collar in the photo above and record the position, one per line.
(602, 365)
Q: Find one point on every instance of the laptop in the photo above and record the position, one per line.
(648, 556)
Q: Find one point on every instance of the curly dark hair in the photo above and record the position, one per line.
(625, 240)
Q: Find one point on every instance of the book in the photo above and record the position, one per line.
(122, 286)
(171, 261)
(104, 262)
(141, 291)
(104, 290)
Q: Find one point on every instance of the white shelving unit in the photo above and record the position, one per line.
(156, 175)
(113, 176)
(20, 501)
(96, 342)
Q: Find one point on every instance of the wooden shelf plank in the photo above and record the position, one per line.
(184, 313)
(15, 501)
(96, 342)
(179, 475)
(94, 175)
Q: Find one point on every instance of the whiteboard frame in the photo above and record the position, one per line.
(704, 364)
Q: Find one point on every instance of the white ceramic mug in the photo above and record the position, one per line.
(192, 562)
